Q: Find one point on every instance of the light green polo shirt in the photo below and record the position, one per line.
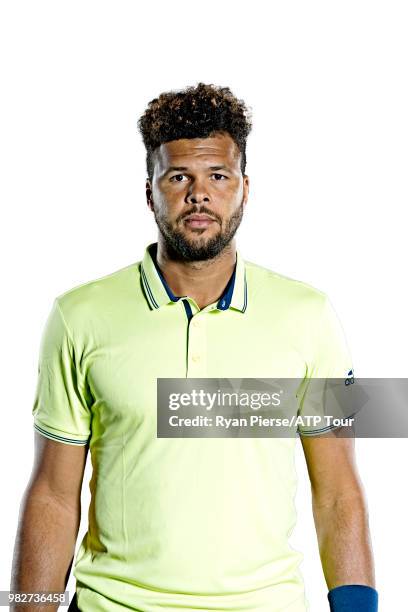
(181, 523)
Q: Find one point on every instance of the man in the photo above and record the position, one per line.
(187, 523)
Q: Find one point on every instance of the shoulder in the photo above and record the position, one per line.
(288, 292)
(84, 301)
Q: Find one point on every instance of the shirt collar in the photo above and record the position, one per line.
(158, 293)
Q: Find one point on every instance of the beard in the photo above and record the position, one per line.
(179, 247)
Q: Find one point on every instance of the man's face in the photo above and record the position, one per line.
(197, 195)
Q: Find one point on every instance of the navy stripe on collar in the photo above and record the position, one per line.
(223, 303)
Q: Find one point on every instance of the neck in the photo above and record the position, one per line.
(204, 281)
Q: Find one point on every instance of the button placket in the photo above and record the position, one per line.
(197, 347)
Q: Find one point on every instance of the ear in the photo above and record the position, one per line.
(149, 198)
(245, 189)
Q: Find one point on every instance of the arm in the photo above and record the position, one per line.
(339, 510)
(49, 520)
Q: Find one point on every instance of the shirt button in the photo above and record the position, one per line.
(196, 323)
(196, 358)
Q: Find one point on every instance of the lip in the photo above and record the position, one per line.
(198, 221)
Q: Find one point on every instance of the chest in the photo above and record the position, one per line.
(126, 356)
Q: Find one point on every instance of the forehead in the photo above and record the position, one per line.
(193, 151)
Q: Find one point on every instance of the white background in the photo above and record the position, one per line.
(327, 159)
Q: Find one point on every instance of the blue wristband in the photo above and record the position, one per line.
(353, 598)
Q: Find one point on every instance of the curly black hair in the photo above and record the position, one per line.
(194, 112)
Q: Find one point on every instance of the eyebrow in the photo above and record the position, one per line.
(184, 168)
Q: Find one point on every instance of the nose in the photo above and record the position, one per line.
(197, 193)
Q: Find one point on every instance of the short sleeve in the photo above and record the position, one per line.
(61, 411)
(329, 372)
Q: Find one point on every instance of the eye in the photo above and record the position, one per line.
(218, 177)
(177, 178)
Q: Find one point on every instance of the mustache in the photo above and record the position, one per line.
(199, 211)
